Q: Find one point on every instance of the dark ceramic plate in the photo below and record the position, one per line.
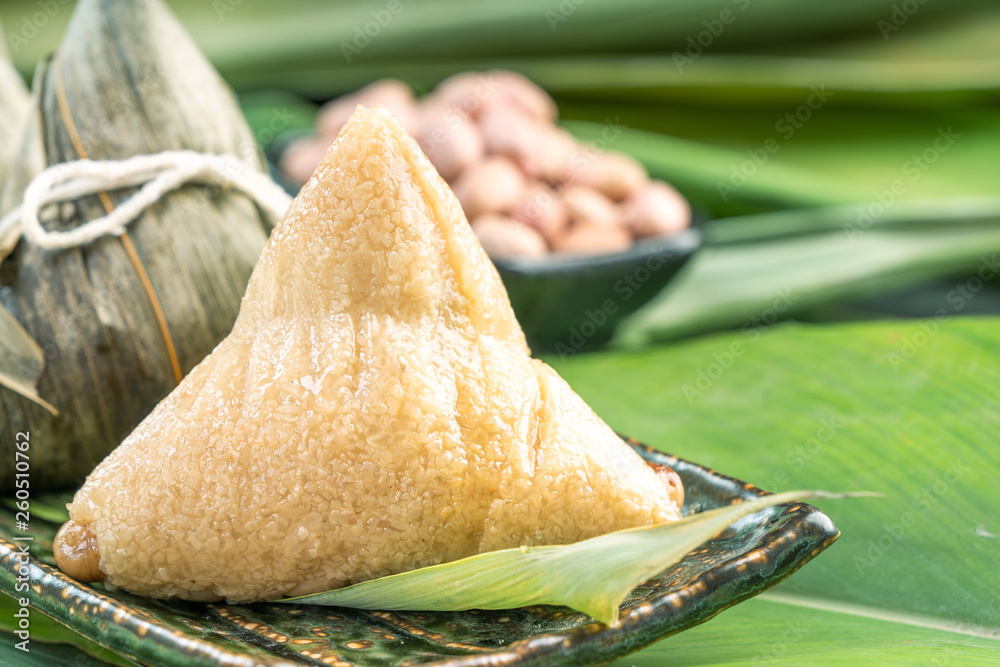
(570, 303)
(758, 552)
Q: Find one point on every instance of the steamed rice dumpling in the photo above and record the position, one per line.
(374, 410)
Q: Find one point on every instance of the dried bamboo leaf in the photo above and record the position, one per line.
(126, 80)
(21, 360)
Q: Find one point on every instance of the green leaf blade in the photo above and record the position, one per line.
(593, 576)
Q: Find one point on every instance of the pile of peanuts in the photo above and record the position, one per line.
(527, 186)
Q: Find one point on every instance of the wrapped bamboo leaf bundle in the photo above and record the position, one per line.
(122, 319)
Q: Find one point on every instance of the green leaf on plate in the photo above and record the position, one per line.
(593, 576)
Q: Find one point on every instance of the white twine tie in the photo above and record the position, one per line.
(159, 173)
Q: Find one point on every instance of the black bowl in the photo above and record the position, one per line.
(570, 303)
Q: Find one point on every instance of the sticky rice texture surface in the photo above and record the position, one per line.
(374, 410)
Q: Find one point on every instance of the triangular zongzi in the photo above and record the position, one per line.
(374, 410)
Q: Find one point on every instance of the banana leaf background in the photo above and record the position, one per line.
(838, 329)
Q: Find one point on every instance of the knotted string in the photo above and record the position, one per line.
(158, 174)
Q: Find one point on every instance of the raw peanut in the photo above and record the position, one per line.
(494, 185)
(473, 92)
(550, 157)
(464, 93)
(544, 210)
(501, 236)
(393, 94)
(333, 115)
(75, 551)
(656, 209)
(541, 149)
(616, 175)
(451, 140)
(302, 156)
(590, 208)
(517, 89)
(594, 240)
(508, 131)
(671, 480)
(595, 223)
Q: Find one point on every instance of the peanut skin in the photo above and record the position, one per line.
(393, 94)
(503, 237)
(615, 175)
(494, 185)
(670, 479)
(594, 240)
(552, 154)
(595, 224)
(75, 549)
(451, 140)
(474, 92)
(543, 210)
(507, 131)
(589, 207)
(301, 158)
(656, 210)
